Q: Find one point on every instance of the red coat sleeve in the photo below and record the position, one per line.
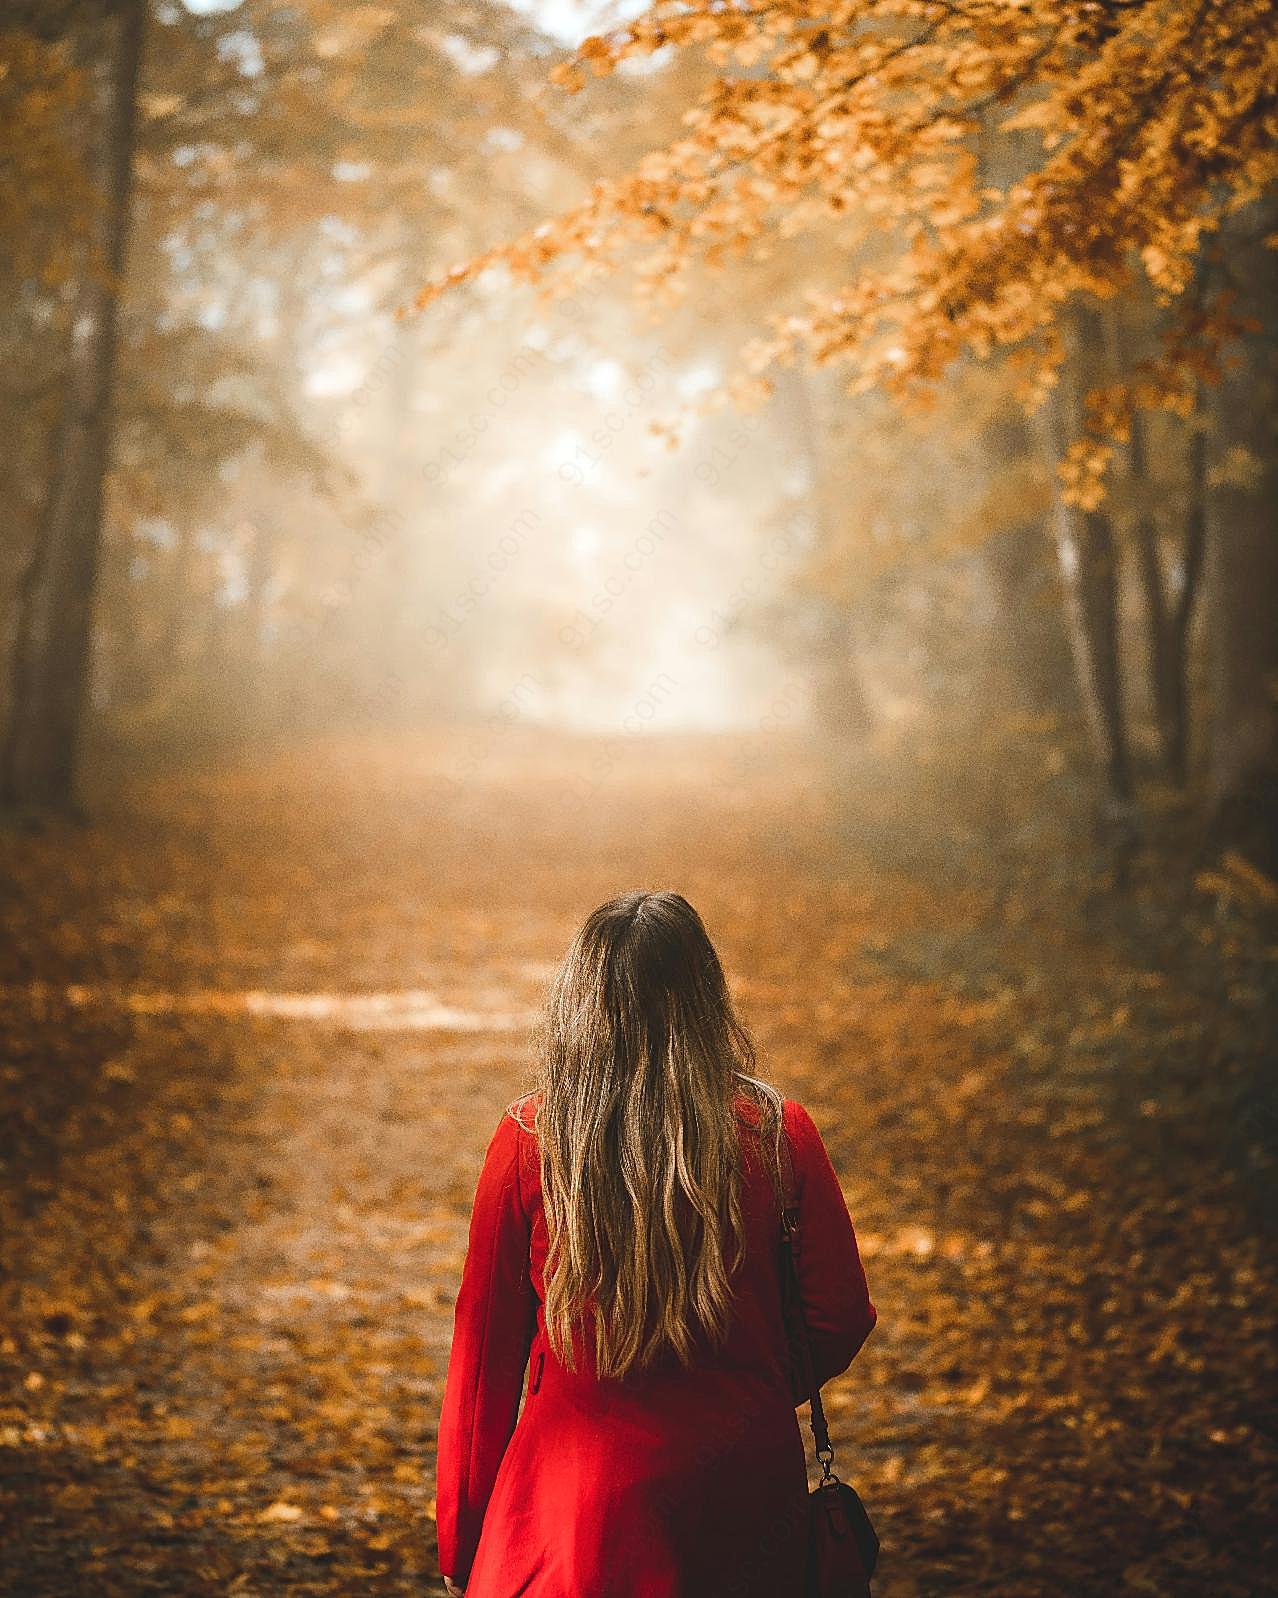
(493, 1326)
(836, 1297)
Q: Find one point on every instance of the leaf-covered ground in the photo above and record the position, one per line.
(259, 1025)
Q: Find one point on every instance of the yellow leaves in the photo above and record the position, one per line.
(429, 1297)
(1237, 880)
(1139, 1578)
(1039, 115)
(750, 51)
(155, 106)
(658, 166)
(47, 201)
(750, 394)
(1250, 877)
(1022, 1360)
(568, 76)
(1237, 468)
(760, 353)
(352, 30)
(931, 175)
(1083, 471)
(1144, 134)
(598, 54)
(918, 1242)
(280, 1513)
(594, 52)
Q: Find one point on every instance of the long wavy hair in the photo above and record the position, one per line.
(641, 1055)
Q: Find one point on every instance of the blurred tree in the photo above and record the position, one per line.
(838, 692)
(1089, 558)
(45, 195)
(1242, 555)
(190, 405)
(51, 649)
(282, 158)
(1007, 525)
(1170, 592)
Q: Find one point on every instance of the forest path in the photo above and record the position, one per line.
(262, 1022)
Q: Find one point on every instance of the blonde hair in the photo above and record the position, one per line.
(639, 1139)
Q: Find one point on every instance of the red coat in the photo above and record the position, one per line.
(669, 1483)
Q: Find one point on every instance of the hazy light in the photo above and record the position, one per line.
(157, 530)
(403, 1010)
(242, 48)
(698, 380)
(339, 375)
(564, 447)
(338, 229)
(351, 298)
(604, 378)
(571, 21)
(470, 58)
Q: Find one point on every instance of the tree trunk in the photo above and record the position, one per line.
(52, 643)
(1032, 646)
(1242, 566)
(1169, 608)
(1088, 555)
(1089, 559)
(151, 663)
(1036, 637)
(838, 691)
(1155, 597)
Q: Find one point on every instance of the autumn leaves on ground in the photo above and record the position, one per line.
(260, 1022)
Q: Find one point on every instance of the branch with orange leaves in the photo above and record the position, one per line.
(1148, 125)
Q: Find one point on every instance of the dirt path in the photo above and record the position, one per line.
(261, 1025)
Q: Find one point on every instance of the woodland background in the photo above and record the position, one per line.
(467, 460)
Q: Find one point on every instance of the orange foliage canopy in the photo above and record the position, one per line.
(1123, 132)
(46, 197)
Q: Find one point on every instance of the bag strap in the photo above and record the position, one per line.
(788, 1201)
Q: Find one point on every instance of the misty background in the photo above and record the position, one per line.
(509, 510)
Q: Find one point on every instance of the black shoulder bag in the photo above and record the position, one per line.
(843, 1547)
